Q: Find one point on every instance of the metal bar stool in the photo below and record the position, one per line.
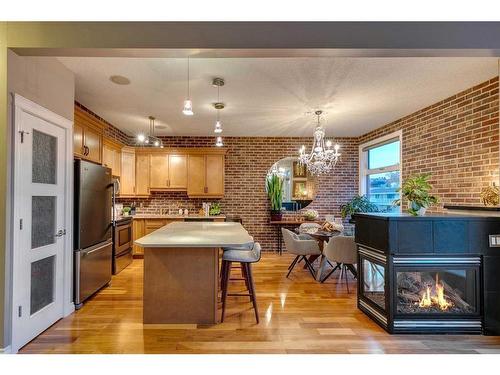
(245, 258)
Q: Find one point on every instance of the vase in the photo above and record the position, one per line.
(276, 215)
(418, 209)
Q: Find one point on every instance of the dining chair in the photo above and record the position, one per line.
(301, 247)
(341, 250)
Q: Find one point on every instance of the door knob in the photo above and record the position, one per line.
(60, 233)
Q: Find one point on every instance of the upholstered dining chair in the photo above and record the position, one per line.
(301, 247)
(341, 250)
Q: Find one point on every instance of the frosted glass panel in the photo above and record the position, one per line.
(43, 221)
(42, 283)
(44, 158)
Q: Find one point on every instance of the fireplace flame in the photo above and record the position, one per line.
(437, 298)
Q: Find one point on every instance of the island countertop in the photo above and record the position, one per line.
(197, 234)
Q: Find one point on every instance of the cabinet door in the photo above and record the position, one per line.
(150, 225)
(127, 178)
(159, 171)
(117, 163)
(78, 139)
(196, 175)
(177, 171)
(108, 157)
(138, 232)
(215, 175)
(93, 142)
(142, 174)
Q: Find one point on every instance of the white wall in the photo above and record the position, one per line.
(47, 82)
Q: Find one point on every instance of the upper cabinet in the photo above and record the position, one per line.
(206, 175)
(87, 136)
(112, 156)
(168, 171)
(127, 178)
(142, 175)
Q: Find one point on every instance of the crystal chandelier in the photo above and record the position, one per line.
(322, 157)
(150, 140)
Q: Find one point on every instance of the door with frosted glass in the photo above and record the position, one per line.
(39, 205)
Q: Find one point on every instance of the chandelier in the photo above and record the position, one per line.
(322, 157)
(150, 140)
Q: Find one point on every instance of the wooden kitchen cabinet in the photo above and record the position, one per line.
(168, 171)
(177, 172)
(206, 176)
(87, 136)
(127, 178)
(138, 232)
(159, 171)
(142, 175)
(111, 156)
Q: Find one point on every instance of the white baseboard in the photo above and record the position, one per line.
(5, 350)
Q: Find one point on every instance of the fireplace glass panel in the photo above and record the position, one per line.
(374, 282)
(443, 291)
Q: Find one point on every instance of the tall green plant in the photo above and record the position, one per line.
(274, 186)
(416, 189)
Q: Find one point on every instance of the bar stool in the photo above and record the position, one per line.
(245, 258)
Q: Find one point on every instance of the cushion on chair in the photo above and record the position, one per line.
(243, 256)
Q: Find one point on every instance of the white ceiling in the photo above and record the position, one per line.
(270, 96)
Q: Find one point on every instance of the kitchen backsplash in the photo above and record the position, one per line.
(170, 201)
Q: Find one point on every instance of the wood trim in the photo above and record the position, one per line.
(112, 143)
(86, 119)
(183, 151)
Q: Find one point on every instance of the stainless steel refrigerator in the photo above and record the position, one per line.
(92, 229)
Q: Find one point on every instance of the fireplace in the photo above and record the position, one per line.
(432, 274)
(421, 294)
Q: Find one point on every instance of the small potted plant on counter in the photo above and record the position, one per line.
(359, 203)
(416, 189)
(274, 187)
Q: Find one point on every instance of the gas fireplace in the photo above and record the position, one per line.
(429, 274)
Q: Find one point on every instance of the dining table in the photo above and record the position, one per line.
(323, 237)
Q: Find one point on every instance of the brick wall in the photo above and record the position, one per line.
(456, 140)
(247, 162)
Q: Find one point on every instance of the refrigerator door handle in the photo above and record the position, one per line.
(107, 243)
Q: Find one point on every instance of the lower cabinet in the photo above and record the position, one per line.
(138, 232)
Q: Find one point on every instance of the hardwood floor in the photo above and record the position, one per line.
(298, 315)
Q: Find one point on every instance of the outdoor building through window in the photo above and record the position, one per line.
(380, 171)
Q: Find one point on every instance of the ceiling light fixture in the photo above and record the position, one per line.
(119, 80)
(218, 82)
(219, 143)
(150, 139)
(188, 104)
(322, 158)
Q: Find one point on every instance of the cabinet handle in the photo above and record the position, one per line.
(206, 190)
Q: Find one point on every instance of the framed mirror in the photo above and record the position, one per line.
(299, 186)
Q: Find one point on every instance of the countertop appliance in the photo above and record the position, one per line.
(93, 229)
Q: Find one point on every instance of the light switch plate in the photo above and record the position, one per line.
(494, 240)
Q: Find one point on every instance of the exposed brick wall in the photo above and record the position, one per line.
(247, 162)
(109, 130)
(456, 140)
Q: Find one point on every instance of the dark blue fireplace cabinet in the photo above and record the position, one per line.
(405, 261)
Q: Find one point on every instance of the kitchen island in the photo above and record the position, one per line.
(181, 262)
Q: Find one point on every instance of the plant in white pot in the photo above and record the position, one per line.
(416, 189)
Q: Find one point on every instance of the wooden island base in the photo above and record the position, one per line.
(180, 285)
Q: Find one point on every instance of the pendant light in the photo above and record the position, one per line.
(218, 105)
(188, 105)
(219, 143)
(149, 140)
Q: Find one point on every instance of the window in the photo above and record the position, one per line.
(380, 171)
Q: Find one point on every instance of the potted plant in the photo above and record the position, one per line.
(358, 203)
(274, 187)
(416, 189)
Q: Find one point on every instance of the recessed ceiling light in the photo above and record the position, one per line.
(120, 80)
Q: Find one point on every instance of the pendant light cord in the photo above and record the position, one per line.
(188, 80)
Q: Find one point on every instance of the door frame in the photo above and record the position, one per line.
(20, 105)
